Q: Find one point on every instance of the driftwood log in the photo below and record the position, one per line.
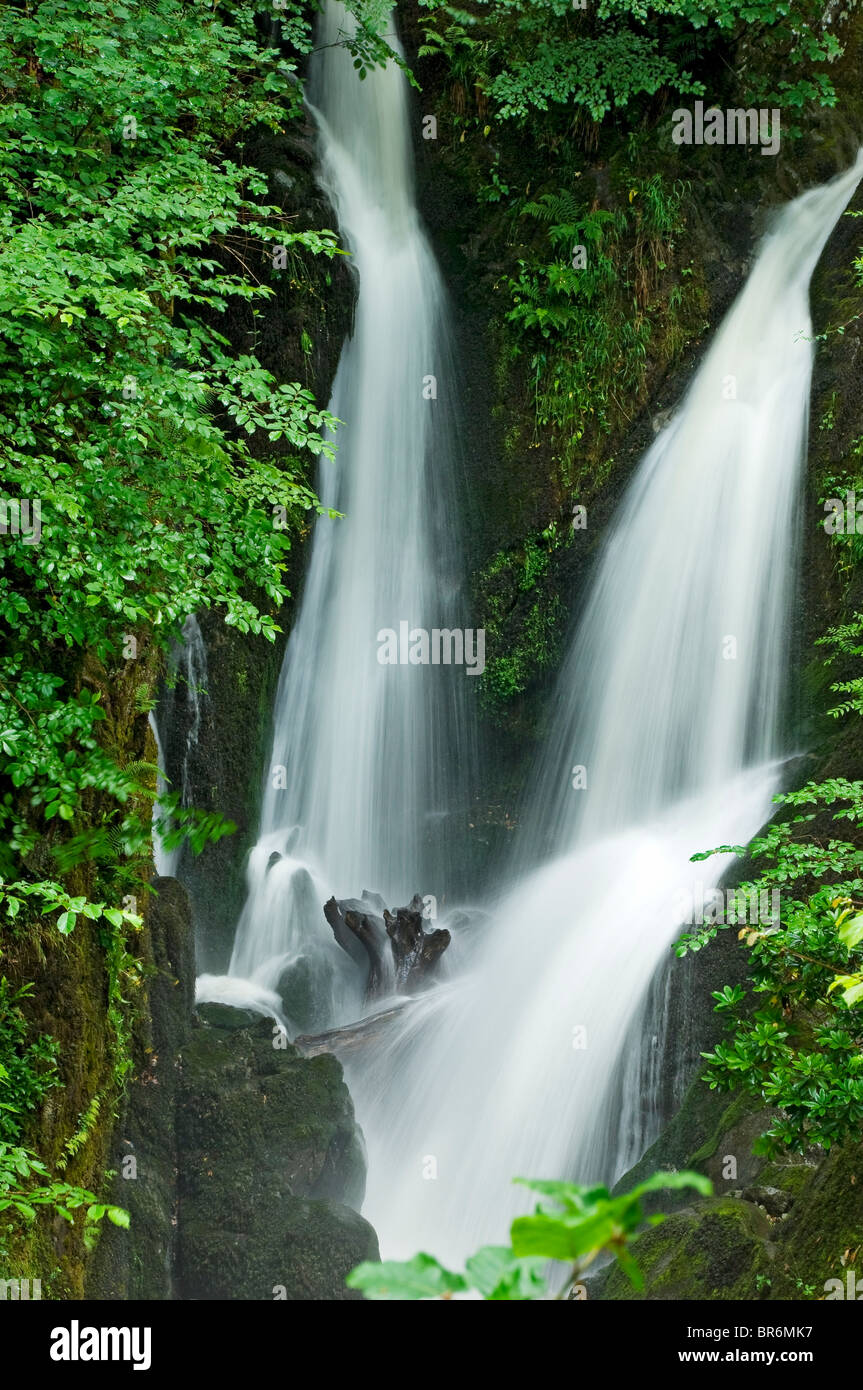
(352, 1039)
(395, 949)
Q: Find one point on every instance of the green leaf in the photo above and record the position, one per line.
(498, 1274)
(851, 932)
(660, 1182)
(421, 1277)
(562, 1237)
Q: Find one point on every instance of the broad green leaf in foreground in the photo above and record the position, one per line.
(421, 1277)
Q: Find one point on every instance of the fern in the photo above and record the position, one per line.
(135, 770)
(844, 641)
(86, 1125)
(556, 207)
(145, 700)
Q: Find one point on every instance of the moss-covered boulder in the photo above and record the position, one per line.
(822, 1237)
(721, 1249)
(289, 1249)
(271, 1163)
(788, 1223)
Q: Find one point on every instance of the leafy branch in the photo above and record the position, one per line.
(571, 1225)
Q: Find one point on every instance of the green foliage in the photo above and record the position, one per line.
(129, 224)
(607, 71)
(523, 619)
(578, 331)
(24, 1189)
(116, 928)
(54, 898)
(367, 42)
(28, 1066)
(843, 642)
(580, 318)
(571, 1224)
(530, 56)
(86, 1125)
(801, 1050)
(178, 824)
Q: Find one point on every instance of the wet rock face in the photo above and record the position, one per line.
(295, 1251)
(776, 1229)
(771, 1199)
(245, 1155)
(795, 1241)
(138, 1263)
(271, 1164)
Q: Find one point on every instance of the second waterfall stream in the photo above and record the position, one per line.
(665, 741)
(665, 736)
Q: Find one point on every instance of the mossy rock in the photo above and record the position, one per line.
(226, 1016)
(822, 1237)
(792, 1174)
(291, 1249)
(719, 1250)
(271, 1161)
(243, 1101)
(708, 1127)
(810, 1223)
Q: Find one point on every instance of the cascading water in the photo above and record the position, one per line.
(368, 759)
(668, 711)
(188, 667)
(164, 859)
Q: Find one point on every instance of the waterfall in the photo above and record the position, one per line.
(163, 859)
(665, 741)
(187, 666)
(369, 761)
(673, 683)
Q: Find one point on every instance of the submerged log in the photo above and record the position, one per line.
(398, 953)
(347, 1041)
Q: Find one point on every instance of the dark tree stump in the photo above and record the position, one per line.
(394, 948)
(415, 953)
(364, 938)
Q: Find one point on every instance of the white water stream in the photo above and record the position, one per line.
(188, 668)
(369, 761)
